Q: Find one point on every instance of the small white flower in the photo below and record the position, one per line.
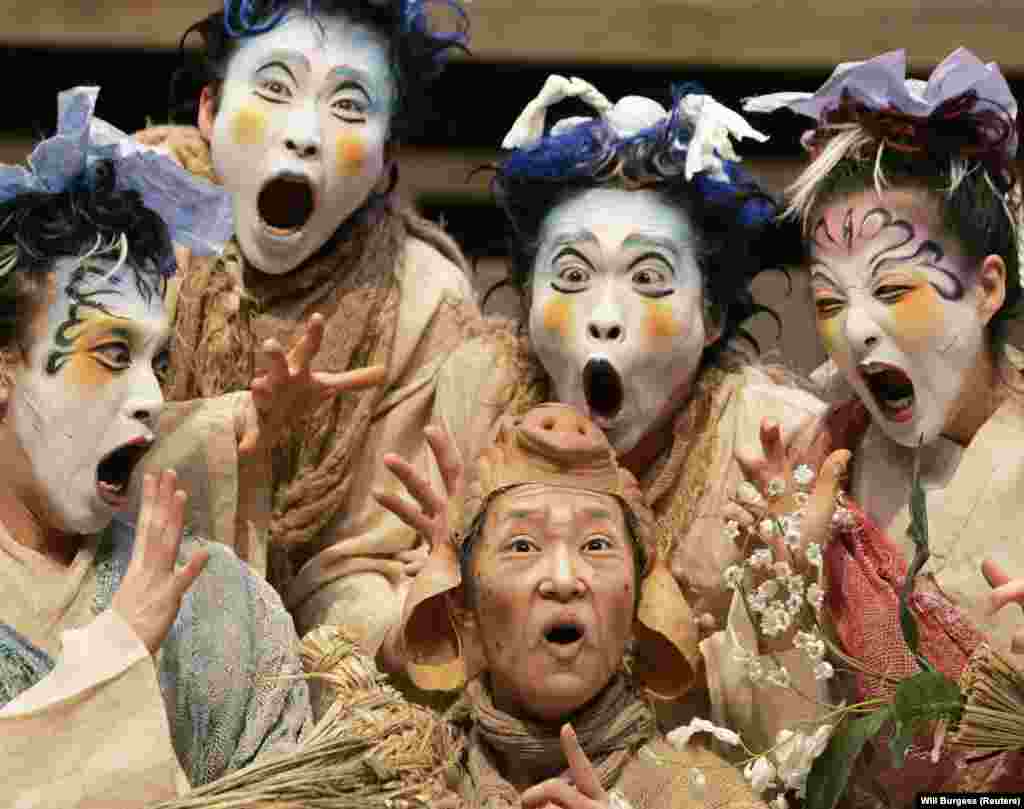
(843, 518)
(758, 602)
(680, 737)
(813, 554)
(794, 603)
(747, 493)
(791, 539)
(755, 670)
(618, 801)
(803, 475)
(775, 619)
(767, 529)
(779, 802)
(697, 784)
(819, 741)
(779, 677)
(760, 773)
(731, 530)
(733, 577)
(815, 596)
(823, 670)
(761, 559)
(776, 487)
(769, 589)
(795, 584)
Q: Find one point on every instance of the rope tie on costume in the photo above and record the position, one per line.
(610, 730)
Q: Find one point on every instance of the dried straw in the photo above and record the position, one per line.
(993, 716)
(371, 750)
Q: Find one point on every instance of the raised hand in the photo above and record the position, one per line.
(289, 390)
(429, 514)
(1005, 590)
(150, 595)
(585, 791)
(783, 479)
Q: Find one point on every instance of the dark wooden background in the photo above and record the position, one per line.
(734, 48)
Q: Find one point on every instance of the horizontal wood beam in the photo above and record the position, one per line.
(749, 33)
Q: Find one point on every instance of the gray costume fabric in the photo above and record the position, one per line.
(228, 670)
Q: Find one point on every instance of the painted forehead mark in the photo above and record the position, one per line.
(281, 57)
(879, 223)
(582, 235)
(644, 240)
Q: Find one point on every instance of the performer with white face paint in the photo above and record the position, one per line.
(303, 107)
(120, 649)
(636, 238)
(910, 210)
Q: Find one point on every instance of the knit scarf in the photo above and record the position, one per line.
(226, 309)
(610, 730)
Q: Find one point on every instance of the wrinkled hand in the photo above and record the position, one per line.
(585, 791)
(150, 595)
(289, 390)
(428, 515)
(776, 468)
(1005, 591)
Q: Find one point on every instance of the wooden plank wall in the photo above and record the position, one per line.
(734, 48)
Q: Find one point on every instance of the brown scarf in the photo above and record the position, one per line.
(610, 729)
(226, 309)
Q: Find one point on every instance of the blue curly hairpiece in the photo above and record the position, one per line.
(250, 17)
(593, 151)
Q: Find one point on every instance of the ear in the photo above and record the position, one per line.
(714, 323)
(208, 110)
(991, 287)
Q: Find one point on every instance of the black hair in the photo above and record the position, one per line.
(37, 228)
(416, 51)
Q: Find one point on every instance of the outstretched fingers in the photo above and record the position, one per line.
(330, 384)
(1005, 590)
(449, 461)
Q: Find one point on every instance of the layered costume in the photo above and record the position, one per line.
(392, 288)
(636, 144)
(88, 717)
(950, 139)
(553, 445)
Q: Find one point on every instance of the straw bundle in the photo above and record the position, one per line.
(371, 750)
(993, 714)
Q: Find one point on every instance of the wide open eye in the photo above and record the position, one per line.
(520, 544)
(350, 107)
(652, 281)
(114, 355)
(598, 543)
(273, 90)
(573, 275)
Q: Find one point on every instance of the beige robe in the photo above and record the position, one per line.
(975, 500)
(353, 578)
(112, 726)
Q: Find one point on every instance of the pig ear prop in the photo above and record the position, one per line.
(666, 654)
(429, 635)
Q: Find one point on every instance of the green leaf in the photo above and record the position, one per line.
(925, 697)
(918, 531)
(831, 770)
(900, 743)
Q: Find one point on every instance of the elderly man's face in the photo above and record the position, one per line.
(554, 596)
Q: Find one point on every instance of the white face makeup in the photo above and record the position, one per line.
(554, 597)
(897, 310)
(300, 134)
(617, 313)
(85, 405)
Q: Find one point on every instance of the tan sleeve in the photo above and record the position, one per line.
(228, 502)
(93, 733)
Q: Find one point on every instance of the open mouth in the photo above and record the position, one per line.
(563, 634)
(285, 203)
(602, 387)
(891, 388)
(114, 472)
